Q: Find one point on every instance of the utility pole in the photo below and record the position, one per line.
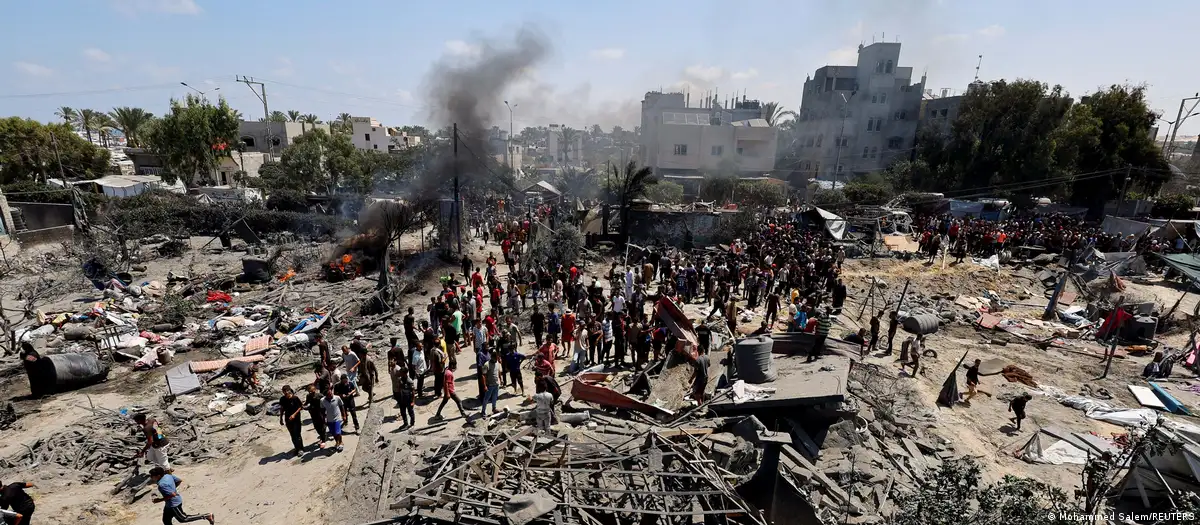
(1170, 144)
(62, 176)
(1124, 188)
(250, 83)
(837, 143)
(457, 202)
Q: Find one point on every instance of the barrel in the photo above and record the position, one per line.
(753, 358)
(55, 373)
(923, 324)
(255, 270)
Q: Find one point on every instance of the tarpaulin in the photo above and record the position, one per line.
(1118, 226)
(1114, 320)
(1184, 263)
(834, 223)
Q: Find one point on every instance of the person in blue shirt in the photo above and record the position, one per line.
(168, 487)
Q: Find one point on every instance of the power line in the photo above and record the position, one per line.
(90, 92)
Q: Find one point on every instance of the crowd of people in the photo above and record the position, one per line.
(967, 236)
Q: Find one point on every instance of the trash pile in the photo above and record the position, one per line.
(522, 477)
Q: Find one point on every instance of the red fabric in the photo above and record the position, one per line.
(448, 380)
(1114, 320)
(215, 296)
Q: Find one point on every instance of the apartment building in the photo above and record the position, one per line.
(678, 139)
(857, 119)
(564, 149)
(368, 134)
(272, 137)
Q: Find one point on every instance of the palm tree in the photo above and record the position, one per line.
(89, 119)
(568, 138)
(344, 122)
(628, 184)
(106, 126)
(772, 112)
(293, 115)
(68, 115)
(132, 122)
(277, 116)
(237, 115)
(310, 119)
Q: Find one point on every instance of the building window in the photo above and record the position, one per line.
(819, 139)
(896, 116)
(275, 141)
(889, 66)
(944, 113)
(376, 146)
(894, 143)
(248, 142)
(367, 136)
(739, 151)
(817, 167)
(933, 113)
(871, 124)
(903, 115)
(874, 99)
(839, 168)
(879, 67)
(681, 149)
(883, 98)
(717, 151)
(874, 152)
(866, 150)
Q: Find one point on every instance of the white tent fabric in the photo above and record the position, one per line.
(834, 223)
(1058, 446)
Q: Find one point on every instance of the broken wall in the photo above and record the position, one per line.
(672, 227)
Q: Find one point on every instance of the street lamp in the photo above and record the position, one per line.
(1179, 118)
(202, 94)
(508, 151)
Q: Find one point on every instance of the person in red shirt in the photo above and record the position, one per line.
(476, 279)
(546, 355)
(568, 331)
(448, 393)
(505, 247)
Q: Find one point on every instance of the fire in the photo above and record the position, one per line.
(290, 273)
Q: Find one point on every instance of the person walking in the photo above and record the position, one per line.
(874, 332)
(346, 390)
(290, 407)
(1017, 407)
(448, 393)
(168, 488)
(333, 409)
(404, 397)
(350, 362)
(972, 381)
(13, 496)
(491, 383)
(893, 325)
(823, 325)
(312, 403)
(156, 442)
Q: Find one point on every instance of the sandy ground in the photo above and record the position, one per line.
(257, 483)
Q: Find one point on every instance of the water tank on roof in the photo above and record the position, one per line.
(753, 358)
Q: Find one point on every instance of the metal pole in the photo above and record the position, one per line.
(1170, 145)
(61, 175)
(457, 202)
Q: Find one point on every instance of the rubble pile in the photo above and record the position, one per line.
(106, 444)
(582, 477)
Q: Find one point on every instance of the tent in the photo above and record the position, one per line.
(959, 208)
(1118, 226)
(1058, 446)
(833, 223)
(1178, 470)
(1184, 263)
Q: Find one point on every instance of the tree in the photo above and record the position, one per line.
(577, 183)
(718, 188)
(192, 137)
(665, 192)
(293, 115)
(27, 152)
(824, 197)
(774, 113)
(277, 116)
(415, 131)
(132, 122)
(873, 189)
(68, 115)
(1173, 205)
(568, 136)
(760, 193)
(597, 131)
(954, 493)
(310, 119)
(344, 123)
(1123, 121)
(321, 163)
(628, 184)
(89, 119)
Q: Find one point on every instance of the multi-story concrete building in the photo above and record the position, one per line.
(368, 134)
(858, 119)
(272, 137)
(678, 139)
(564, 151)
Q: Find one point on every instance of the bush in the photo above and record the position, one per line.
(1173, 206)
(861, 192)
(760, 193)
(823, 197)
(665, 192)
(30, 191)
(287, 200)
(740, 225)
(166, 213)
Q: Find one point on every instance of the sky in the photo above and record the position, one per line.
(372, 58)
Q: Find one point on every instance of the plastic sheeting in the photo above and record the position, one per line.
(834, 223)
(963, 208)
(1119, 226)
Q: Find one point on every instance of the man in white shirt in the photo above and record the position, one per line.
(618, 303)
